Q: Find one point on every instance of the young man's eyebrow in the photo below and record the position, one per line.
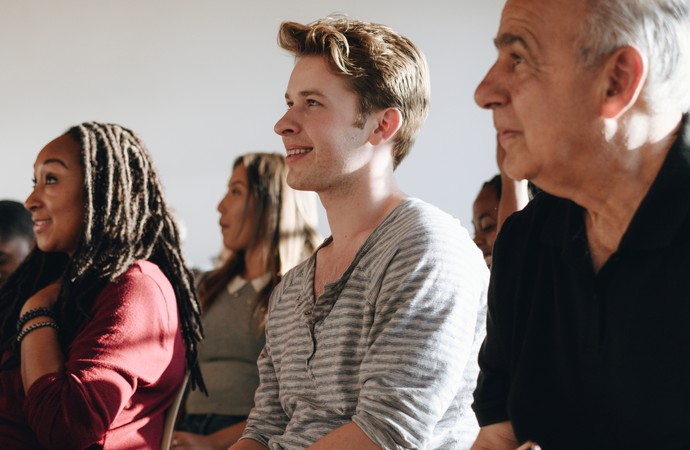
(307, 93)
(311, 92)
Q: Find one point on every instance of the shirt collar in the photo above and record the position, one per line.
(657, 220)
(667, 204)
(258, 283)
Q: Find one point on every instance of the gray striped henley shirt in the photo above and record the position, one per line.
(391, 346)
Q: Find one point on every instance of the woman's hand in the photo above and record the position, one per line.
(45, 298)
(529, 445)
(187, 441)
(514, 193)
(40, 351)
(500, 155)
(221, 439)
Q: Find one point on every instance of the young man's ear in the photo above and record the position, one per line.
(389, 122)
(626, 72)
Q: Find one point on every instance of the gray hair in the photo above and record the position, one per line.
(659, 28)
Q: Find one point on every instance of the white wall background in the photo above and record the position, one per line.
(203, 81)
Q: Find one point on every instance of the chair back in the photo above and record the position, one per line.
(171, 415)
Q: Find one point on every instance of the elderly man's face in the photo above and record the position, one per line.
(545, 105)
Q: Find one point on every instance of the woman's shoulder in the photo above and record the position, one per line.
(142, 272)
(142, 279)
(143, 268)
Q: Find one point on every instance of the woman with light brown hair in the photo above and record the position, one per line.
(267, 228)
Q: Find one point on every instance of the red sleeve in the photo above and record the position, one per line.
(126, 347)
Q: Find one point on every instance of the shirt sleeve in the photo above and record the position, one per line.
(425, 330)
(491, 393)
(127, 343)
(267, 418)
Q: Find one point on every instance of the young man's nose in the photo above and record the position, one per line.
(285, 125)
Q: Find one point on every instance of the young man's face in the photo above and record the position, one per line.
(545, 105)
(325, 147)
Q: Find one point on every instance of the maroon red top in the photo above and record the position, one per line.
(123, 369)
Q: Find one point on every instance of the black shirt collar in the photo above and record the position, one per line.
(667, 204)
(659, 217)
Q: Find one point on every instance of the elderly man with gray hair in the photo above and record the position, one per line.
(588, 343)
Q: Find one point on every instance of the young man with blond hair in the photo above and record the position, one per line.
(372, 342)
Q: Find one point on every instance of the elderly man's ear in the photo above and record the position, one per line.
(625, 72)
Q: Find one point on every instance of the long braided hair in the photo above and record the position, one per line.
(125, 220)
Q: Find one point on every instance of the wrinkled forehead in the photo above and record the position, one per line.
(541, 27)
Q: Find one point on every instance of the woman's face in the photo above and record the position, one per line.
(485, 221)
(236, 213)
(57, 200)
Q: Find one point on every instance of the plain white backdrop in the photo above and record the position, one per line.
(203, 81)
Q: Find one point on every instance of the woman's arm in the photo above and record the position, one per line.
(126, 344)
(40, 350)
(220, 440)
(514, 193)
(247, 444)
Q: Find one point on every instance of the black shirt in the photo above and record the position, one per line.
(578, 360)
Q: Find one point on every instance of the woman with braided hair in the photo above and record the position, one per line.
(101, 319)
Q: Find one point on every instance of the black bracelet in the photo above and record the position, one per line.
(32, 314)
(36, 326)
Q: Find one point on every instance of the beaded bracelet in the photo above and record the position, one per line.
(35, 326)
(32, 314)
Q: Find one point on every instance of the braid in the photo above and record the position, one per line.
(125, 220)
(168, 250)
